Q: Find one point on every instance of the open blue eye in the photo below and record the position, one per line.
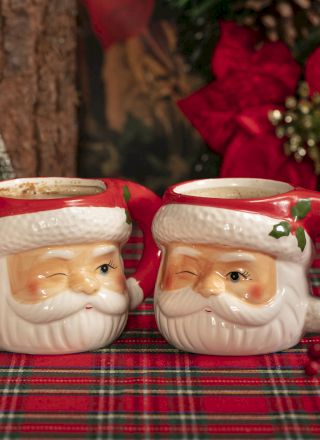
(236, 276)
(104, 268)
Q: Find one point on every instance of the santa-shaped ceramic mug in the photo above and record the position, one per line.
(63, 287)
(235, 257)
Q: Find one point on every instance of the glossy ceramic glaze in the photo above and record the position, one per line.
(233, 275)
(63, 287)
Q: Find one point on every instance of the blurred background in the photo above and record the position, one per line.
(160, 91)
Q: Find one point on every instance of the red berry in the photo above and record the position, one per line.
(312, 368)
(314, 351)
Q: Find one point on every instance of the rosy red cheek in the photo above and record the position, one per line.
(167, 281)
(29, 292)
(120, 283)
(256, 292)
(33, 288)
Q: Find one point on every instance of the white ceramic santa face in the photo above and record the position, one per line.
(221, 300)
(63, 299)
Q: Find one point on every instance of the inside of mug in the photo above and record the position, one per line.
(50, 188)
(233, 188)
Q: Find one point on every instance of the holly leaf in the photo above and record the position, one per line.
(126, 193)
(281, 229)
(301, 209)
(301, 238)
(127, 196)
(128, 217)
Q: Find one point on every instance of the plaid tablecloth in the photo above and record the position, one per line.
(142, 388)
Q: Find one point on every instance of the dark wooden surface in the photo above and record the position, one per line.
(38, 97)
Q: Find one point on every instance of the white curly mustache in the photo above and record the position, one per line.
(186, 301)
(68, 303)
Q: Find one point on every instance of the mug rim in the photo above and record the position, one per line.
(79, 181)
(181, 189)
(278, 205)
(110, 196)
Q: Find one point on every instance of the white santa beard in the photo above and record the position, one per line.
(80, 331)
(67, 303)
(225, 334)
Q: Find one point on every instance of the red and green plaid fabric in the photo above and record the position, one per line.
(142, 388)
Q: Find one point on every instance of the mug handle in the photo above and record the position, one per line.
(311, 223)
(142, 205)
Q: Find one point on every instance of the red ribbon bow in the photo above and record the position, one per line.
(231, 113)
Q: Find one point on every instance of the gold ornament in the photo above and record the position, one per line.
(299, 125)
(286, 20)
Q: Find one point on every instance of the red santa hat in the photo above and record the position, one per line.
(31, 223)
(278, 224)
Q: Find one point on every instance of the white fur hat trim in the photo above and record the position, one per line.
(70, 225)
(203, 224)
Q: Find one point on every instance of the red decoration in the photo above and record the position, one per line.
(117, 20)
(314, 351)
(312, 368)
(312, 71)
(231, 113)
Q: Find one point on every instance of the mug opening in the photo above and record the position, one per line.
(51, 188)
(233, 188)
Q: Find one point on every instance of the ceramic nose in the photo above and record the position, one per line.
(211, 284)
(83, 282)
